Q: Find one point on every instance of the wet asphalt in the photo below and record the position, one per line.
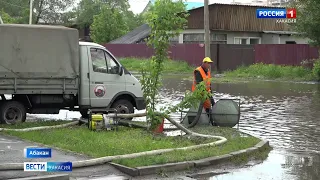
(12, 151)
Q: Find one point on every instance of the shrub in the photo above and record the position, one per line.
(271, 71)
(316, 69)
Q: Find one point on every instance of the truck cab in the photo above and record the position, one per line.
(104, 82)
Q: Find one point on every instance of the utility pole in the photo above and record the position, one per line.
(206, 28)
(30, 15)
(1, 22)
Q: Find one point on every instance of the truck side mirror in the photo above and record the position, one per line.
(120, 70)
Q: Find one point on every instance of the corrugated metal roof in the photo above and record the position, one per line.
(281, 32)
(132, 37)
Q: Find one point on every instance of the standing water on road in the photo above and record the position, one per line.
(286, 114)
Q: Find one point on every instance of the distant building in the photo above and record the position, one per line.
(238, 26)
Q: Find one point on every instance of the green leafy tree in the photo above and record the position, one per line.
(46, 11)
(167, 19)
(133, 20)
(6, 18)
(308, 24)
(308, 19)
(14, 8)
(108, 25)
(87, 9)
(51, 11)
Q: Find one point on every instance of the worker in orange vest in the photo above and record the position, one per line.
(202, 73)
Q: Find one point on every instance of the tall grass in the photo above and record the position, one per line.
(271, 71)
(316, 70)
(172, 66)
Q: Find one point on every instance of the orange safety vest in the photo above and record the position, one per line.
(205, 77)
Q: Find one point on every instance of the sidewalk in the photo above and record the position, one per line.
(12, 151)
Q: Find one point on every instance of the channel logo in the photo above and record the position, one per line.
(35, 166)
(289, 13)
(48, 166)
(37, 152)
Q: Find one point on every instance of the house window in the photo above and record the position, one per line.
(241, 41)
(98, 58)
(291, 42)
(113, 67)
(102, 62)
(218, 38)
(247, 40)
(254, 40)
(193, 38)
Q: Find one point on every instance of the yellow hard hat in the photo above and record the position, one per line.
(207, 60)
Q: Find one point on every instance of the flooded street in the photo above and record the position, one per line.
(286, 114)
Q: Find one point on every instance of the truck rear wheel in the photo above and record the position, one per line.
(123, 106)
(12, 112)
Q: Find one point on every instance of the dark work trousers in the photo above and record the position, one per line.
(208, 111)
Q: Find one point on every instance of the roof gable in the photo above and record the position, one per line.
(132, 37)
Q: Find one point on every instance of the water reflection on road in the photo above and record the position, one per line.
(286, 114)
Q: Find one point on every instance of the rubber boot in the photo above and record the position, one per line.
(208, 112)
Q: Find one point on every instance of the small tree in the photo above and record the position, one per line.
(108, 25)
(166, 19)
(6, 18)
(308, 19)
(308, 24)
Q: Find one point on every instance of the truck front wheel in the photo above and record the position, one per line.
(84, 113)
(123, 106)
(12, 112)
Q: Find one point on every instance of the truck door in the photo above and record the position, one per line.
(105, 82)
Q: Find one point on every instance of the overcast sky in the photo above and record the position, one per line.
(138, 5)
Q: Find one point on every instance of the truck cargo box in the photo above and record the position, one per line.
(38, 59)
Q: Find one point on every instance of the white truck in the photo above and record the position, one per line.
(46, 69)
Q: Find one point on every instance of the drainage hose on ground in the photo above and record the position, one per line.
(197, 118)
(103, 160)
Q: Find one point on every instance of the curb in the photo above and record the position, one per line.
(47, 177)
(154, 169)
